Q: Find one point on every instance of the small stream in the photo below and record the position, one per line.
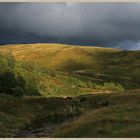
(32, 133)
(42, 127)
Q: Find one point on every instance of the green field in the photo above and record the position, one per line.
(44, 84)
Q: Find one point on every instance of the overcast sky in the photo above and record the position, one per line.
(101, 24)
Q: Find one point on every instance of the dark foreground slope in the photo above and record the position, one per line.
(102, 115)
(28, 113)
(118, 117)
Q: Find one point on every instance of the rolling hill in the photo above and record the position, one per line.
(58, 90)
(58, 56)
(97, 64)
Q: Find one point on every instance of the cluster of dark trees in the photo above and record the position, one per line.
(11, 82)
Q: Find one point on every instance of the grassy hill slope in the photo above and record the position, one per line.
(20, 113)
(97, 64)
(57, 56)
(20, 78)
(119, 117)
(99, 115)
(44, 83)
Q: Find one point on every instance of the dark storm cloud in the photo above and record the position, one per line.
(104, 24)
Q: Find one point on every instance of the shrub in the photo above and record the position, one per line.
(113, 87)
(89, 84)
(11, 84)
(12, 79)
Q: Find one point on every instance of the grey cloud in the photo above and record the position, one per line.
(130, 45)
(106, 24)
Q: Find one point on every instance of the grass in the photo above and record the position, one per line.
(42, 83)
(19, 113)
(28, 78)
(57, 56)
(116, 65)
(99, 115)
(118, 118)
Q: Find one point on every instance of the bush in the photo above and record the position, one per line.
(89, 84)
(12, 79)
(11, 84)
(18, 91)
(113, 87)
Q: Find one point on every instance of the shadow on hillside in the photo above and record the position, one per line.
(72, 65)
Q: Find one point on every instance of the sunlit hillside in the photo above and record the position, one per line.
(57, 90)
(96, 63)
(58, 56)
